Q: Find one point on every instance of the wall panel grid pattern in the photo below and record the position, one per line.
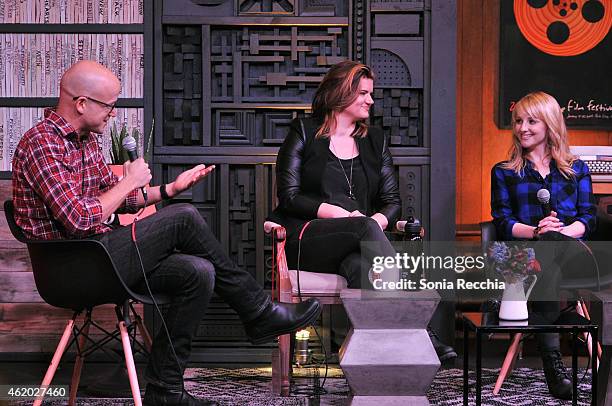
(397, 112)
(234, 200)
(236, 72)
(252, 127)
(280, 64)
(257, 79)
(182, 85)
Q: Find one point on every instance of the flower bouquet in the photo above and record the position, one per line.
(514, 262)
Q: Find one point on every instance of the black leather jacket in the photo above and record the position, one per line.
(300, 167)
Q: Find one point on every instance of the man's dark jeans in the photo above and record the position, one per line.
(177, 250)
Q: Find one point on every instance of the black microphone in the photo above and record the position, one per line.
(544, 199)
(129, 145)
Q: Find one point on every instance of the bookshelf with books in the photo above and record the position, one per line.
(40, 39)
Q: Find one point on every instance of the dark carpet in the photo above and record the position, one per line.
(251, 386)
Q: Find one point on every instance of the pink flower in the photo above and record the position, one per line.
(534, 266)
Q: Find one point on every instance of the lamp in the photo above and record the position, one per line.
(302, 354)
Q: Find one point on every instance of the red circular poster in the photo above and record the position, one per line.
(564, 27)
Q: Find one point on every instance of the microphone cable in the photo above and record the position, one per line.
(144, 274)
(321, 390)
(304, 227)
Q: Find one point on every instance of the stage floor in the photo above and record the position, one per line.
(251, 386)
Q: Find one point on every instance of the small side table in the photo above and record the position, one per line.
(472, 321)
(388, 358)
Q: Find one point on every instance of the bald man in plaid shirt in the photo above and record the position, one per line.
(62, 189)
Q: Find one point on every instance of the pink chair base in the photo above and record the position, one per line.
(80, 359)
(510, 359)
(57, 356)
(78, 364)
(129, 362)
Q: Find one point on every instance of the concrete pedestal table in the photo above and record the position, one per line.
(388, 358)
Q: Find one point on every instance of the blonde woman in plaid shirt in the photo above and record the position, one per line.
(540, 159)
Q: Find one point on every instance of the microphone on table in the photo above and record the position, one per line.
(129, 144)
(543, 196)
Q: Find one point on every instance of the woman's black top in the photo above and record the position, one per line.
(302, 167)
(335, 186)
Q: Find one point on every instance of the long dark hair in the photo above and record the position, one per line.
(338, 89)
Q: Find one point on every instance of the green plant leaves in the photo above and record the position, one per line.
(118, 154)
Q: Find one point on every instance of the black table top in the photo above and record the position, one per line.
(567, 322)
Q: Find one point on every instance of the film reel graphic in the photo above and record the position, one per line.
(564, 27)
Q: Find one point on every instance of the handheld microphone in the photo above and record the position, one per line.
(543, 196)
(129, 144)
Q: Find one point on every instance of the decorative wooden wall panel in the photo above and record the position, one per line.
(397, 112)
(260, 63)
(258, 7)
(182, 67)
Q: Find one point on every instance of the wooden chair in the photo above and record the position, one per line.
(323, 286)
(80, 275)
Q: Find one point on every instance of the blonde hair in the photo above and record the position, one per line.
(338, 89)
(544, 107)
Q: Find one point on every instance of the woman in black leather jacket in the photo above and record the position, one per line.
(336, 171)
(336, 184)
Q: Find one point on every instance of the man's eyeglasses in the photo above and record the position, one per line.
(110, 107)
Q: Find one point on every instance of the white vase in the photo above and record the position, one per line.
(514, 300)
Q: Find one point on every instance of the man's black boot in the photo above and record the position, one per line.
(557, 378)
(445, 352)
(282, 318)
(157, 396)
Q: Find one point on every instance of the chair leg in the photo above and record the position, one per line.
(508, 362)
(78, 363)
(144, 332)
(282, 366)
(582, 310)
(588, 317)
(123, 318)
(129, 363)
(57, 356)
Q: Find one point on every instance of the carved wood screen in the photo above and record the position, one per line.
(230, 76)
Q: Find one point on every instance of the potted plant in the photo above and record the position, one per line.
(119, 156)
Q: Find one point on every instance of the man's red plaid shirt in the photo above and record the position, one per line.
(57, 180)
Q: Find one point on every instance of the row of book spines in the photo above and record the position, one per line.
(32, 64)
(71, 11)
(14, 122)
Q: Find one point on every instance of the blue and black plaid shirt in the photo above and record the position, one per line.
(514, 198)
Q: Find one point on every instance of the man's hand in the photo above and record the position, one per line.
(188, 178)
(137, 173)
(356, 213)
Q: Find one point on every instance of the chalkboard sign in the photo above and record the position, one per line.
(562, 47)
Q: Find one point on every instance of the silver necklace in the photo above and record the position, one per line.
(349, 181)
